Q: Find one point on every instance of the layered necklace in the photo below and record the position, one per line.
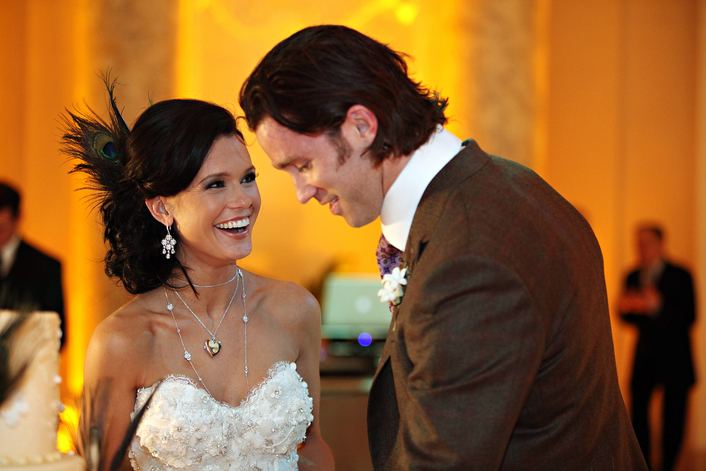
(212, 345)
(217, 285)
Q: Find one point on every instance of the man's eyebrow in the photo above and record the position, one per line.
(281, 165)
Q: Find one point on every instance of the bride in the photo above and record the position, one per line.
(231, 357)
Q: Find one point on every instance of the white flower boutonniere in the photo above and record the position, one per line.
(393, 285)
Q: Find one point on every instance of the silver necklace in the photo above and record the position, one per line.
(211, 345)
(187, 355)
(217, 285)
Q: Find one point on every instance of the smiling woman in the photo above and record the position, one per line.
(178, 197)
(216, 212)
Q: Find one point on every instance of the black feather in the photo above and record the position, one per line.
(98, 144)
(10, 377)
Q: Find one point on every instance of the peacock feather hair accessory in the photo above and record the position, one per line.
(98, 145)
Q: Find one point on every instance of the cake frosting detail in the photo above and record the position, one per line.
(29, 417)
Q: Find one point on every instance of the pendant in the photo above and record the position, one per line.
(212, 346)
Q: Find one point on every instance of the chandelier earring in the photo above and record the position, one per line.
(168, 244)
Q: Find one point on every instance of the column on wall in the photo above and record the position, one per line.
(134, 42)
(501, 58)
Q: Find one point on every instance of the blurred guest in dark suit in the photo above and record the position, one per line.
(658, 299)
(29, 278)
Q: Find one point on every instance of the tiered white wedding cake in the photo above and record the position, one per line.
(29, 417)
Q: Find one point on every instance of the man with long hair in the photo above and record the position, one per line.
(499, 353)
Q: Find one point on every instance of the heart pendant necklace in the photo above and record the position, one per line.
(212, 345)
(217, 345)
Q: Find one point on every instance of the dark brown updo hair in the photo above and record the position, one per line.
(159, 156)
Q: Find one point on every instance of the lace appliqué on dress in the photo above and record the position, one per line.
(185, 428)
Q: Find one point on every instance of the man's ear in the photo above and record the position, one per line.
(362, 122)
(159, 211)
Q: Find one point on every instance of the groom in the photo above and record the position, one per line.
(499, 353)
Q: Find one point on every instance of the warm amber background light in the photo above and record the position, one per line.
(68, 427)
(612, 93)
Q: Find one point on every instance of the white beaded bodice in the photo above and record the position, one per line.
(185, 428)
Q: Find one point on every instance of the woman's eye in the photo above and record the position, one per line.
(249, 177)
(303, 167)
(216, 184)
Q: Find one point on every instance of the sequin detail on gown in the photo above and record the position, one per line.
(185, 428)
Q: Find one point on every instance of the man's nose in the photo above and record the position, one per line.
(304, 192)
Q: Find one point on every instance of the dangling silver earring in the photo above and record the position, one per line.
(168, 244)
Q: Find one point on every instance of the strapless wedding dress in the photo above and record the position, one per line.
(185, 428)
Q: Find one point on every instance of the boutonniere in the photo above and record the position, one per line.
(393, 286)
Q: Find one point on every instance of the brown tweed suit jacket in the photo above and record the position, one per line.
(500, 355)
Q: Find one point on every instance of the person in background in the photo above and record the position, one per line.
(29, 278)
(658, 299)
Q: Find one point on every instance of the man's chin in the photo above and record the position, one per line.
(357, 220)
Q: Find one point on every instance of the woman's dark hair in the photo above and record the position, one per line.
(160, 156)
(308, 82)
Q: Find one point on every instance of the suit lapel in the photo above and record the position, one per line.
(468, 161)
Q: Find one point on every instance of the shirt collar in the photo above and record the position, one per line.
(650, 275)
(7, 254)
(403, 196)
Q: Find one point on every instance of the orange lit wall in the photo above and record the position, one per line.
(612, 105)
(621, 123)
(698, 419)
(37, 82)
(622, 138)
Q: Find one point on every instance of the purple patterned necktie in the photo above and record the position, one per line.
(388, 256)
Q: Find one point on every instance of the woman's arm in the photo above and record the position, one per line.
(315, 453)
(109, 388)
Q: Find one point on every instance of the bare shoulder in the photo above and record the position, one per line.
(289, 302)
(120, 339)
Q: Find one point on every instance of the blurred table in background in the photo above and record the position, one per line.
(343, 416)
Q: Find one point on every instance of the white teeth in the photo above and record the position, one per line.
(234, 224)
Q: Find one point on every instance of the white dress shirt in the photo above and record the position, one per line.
(7, 255)
(401, 200)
